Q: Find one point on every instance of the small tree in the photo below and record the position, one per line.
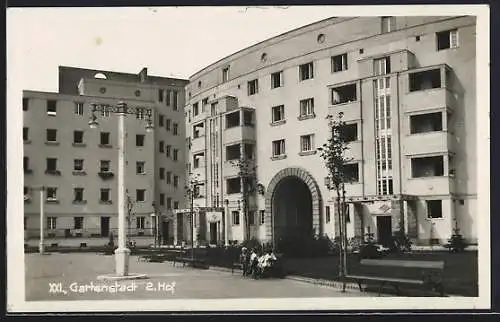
(333, 154)
(248, 174)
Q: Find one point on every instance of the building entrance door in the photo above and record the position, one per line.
(165, 228)
(104, 226)
(384, 230)
(213, 233)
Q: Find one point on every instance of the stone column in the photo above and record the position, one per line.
(412, 220)
(358, 220)
(174, 227)
(397, 214)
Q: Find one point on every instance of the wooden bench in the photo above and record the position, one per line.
(430, 274)
(237, 265)
(184, 257)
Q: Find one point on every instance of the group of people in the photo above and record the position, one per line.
(256, 264)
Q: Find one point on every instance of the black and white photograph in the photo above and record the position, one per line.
(248, 158)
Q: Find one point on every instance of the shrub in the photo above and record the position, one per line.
(457, 242)
(401, 242)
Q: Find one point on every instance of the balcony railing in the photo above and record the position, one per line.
(106, 175)
(53, 172)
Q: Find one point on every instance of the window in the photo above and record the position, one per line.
(198, 130)
(276, 80)
(422, 81)
(51, 135)
(139, 167)
(278, 148)
(167, 97)
(105, 165)
(213, 109)
(339, 63)
(447, 39)
(51, 107)
(306, 143)
(253, 87)
(174, 100)
(162, 173)
(233, 152)
(78, 221)
(51, 164)
(327, 214)
(233, 119)
(262, 217)
(225, 74)
(176, 181)
(175, 155)
(51, 223)
(307, 107)
(51, 194)
(140, 195)
(382, 66)
(139, 222)
(26, 163)
(161, 120)
(198, 159)
(204, 103)
(175, 130)
(248, 150)
(248, 118)
(427, 167)
(78, 137)
(351, 172)
(139, 140)
(388, 24)
(344, 94)
(25, 134)
(105, 138)
(25, 104)
(169, 177)
(79, 108)
(236, 217)
(78, 194)
(169, 203)
(349, 132)
(168, 150)
(105, 111)
(78, 164)
(105, 197)
(162, 199)
(306, 71)
(176, 205)
(160, 95)
(233, 185)
(278, 113)
(425, 123)
(161, 146)
(168, 122)
(434, 209)
(251, 218)
(196, 109)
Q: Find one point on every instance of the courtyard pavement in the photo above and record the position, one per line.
(63, 277)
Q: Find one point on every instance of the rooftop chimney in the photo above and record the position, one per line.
(143, 74)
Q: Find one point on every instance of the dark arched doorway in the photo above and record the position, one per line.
(293, 206)
(292, 211)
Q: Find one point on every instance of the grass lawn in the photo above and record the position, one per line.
(460, 270)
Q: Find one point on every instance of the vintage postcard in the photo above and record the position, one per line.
(248, 158)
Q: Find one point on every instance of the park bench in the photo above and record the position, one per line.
(185, 257)
(236, 265)
(425, 273)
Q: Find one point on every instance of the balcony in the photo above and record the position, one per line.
(28, 171)
(351, 110)
(239, 133)
(53, 172)
(355, 150)
(424, 186)
(106, 175)
(429, 142)
(198, 144)
(429, 99)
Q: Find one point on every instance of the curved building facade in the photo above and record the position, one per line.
(406, 88)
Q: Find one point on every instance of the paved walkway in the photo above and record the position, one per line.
(74, 277)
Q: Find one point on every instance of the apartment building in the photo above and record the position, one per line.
(406, 88)
(77, 165)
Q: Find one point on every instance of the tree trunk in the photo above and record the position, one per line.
(341, 249)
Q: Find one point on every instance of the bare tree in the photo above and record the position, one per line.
(333, 153)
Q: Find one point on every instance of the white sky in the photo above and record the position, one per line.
(169, 41)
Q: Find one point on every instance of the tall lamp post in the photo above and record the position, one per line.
(41, 246)
(155, 217)
(121, 109)
(192, 192)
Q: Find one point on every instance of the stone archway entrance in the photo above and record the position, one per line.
(293, 206)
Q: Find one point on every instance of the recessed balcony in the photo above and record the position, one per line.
(428, 142)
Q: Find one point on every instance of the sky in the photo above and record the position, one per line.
(170, 41)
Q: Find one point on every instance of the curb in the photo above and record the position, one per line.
(322, 282)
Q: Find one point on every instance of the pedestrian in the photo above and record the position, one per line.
(244, 260)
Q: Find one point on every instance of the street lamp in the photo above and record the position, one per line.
(155, 217)
(192, 192)
(121, 109)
